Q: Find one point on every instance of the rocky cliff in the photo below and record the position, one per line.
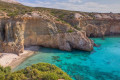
(101, 28)
(11, 36)
(66, 30)
(95, 24)
(42, 30)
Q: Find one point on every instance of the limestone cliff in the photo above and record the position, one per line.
(96, 24)
(42, 30)
(46, 33)
(66, 30)
(100, 28)
(11, 36)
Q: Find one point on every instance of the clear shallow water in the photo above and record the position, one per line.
(101, 64)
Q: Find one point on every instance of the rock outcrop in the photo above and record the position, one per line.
(11, 36)
(96, 24)
(100, 28)
(46, 33)
(65, 30)
(41, 30)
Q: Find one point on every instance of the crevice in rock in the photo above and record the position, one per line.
(3, 32)
(91, 35)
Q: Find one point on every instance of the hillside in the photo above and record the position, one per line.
(66, 30)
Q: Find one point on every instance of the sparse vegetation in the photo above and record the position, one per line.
(91, 15)
(78, 28)
(58, 19)
(70, 31)
(14, 9)
(75, 26)
(41, 71)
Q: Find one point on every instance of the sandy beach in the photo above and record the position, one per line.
(13, 60)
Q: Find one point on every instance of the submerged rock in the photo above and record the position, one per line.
(97, 45)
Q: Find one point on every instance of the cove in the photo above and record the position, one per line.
(103, 63)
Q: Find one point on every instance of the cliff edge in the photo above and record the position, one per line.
(42, 29)
(66, 30)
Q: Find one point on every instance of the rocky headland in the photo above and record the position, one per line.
(22, 26)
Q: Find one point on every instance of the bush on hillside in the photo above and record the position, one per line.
(41, 71)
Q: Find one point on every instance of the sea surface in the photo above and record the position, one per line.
(103, 63)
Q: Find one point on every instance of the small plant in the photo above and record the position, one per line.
(12, 14)
(75, 26)
(58, 20)
(70, 30)
(59, 31)
(62, 16)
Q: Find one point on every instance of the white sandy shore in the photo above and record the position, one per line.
(13, 60)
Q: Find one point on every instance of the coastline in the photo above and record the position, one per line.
(13, 60)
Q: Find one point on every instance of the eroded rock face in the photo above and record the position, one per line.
(97, 24)
(46, 33)
(99, 28)
(44, 30)
(63, 41)
(28, 31)
(11, 36)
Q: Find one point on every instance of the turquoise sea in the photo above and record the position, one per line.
(103, 63)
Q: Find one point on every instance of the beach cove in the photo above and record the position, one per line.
(13, 60)
(100, 64)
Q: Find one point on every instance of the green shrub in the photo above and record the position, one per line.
(58, 20)
(41, 71)
(62, 16)
(2, 75)
(16, 76)
(70, 31)
(51, 76)
(5, 70)
(75, 26)
(34, 74)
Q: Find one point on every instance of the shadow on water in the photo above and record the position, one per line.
(57, 51)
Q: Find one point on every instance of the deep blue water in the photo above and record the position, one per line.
(101, 64)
